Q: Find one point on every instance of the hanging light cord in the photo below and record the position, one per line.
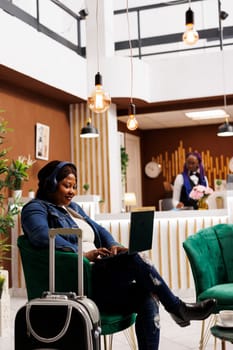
(223, 70)
(224, 85)
(131, 54)
(97, 34)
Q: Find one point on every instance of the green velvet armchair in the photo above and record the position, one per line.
(210, 253)
(36, 272)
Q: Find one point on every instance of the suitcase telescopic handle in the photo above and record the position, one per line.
(65, 231)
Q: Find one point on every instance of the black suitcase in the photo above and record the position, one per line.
(59, 321)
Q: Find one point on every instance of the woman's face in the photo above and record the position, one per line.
(192, 163)
(66, 190)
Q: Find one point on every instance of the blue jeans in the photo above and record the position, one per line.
(128, 283)
(147, 325)
(149, 277)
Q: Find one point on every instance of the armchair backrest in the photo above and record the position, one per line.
(210, 255)
(35, 264)
(224, 234)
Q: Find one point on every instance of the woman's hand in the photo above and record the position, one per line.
(116, 249)
(180, 205)
(94, 254)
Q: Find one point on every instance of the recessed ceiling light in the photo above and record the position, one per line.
(208, 114)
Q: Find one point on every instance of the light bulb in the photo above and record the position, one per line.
(99, 101)
(132, 123)
(190, 36)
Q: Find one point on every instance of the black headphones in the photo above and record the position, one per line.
(51, 181)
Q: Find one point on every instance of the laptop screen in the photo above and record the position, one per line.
(141, 230)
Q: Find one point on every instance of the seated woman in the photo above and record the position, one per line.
(53, 207)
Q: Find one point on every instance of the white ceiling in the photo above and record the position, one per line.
(177, 118)
(173, 119)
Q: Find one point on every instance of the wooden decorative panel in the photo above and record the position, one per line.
(216, 167)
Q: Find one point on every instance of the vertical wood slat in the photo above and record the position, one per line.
(160, 249)
(178, 254)
(186, 258)
(169, 254)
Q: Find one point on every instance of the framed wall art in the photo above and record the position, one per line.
(42, 141)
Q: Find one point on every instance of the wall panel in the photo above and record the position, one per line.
(91, 155)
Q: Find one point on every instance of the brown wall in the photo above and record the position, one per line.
(155, 142)
(23, 109)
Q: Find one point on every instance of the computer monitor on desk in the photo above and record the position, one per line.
(230, 182)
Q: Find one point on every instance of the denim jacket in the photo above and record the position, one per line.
(38, 216)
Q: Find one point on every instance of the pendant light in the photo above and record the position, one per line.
(89, 131)
(132, 123)
(190, 36)
(99, 101)
(225, 129)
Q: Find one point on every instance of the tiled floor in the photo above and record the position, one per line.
(172, 336)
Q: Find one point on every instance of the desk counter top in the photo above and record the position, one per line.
(173, 214)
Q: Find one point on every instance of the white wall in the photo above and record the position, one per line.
(192, 76)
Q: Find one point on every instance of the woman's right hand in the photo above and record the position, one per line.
(94, 254)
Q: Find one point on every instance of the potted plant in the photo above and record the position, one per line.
(86, 187)
(17, 173)
(102, 205)
(31, 193)
(7, 211)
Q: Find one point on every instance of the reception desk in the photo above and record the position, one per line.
(171, 228)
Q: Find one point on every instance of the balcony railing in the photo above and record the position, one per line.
(67, 27)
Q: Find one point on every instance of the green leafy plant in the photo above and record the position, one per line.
(124, 164)
(86, 187)
(2, 281)
(218, 182)
(17, 172)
